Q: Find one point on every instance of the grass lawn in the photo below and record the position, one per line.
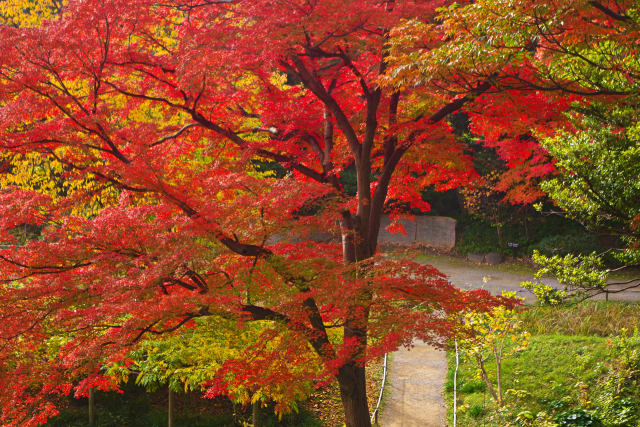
(558, 379)
(544, 377)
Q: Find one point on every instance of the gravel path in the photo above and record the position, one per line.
(467, 275)
(416, 376)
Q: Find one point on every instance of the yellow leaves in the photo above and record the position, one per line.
(28, 13)
(45, 174)
(31, 171)
(279, 80)
(118, 372)
(490, 331)
(149, 112)
(248, 81)
(257, 397)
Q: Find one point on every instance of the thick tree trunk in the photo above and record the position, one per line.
(351, 376)
(353, 391)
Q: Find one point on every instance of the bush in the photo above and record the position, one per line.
(563, 244)
(137, 408)
(615, 397)
(477, 237)
(577, 417)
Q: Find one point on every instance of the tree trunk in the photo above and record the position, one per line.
(170, 409)
(353, 391)
(351, 378)
(92, 408)
(255, 414)
(487, 381)
(499, 379)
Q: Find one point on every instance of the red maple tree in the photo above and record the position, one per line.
(170, 113)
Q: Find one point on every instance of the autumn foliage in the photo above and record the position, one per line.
(195, 148)
(542, 59)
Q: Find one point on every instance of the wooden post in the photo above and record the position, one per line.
(170, 409)
(92, 408)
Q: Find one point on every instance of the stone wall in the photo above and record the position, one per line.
(433, 231)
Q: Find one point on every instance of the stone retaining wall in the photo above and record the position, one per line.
(433, 231)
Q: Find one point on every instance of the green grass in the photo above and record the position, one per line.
(562, 370)
(544, 376)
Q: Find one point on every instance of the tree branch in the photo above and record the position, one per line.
(610, 13)
(316, 87)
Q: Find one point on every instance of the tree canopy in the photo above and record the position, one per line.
(165, 110)
(543, 59)
(176, 159)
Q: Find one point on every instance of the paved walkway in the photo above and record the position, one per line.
(495, 279)
(416, 381)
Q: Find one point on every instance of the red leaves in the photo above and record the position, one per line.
(20, 207)
(510, 123)
(169, 117)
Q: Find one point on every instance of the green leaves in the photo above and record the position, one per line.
(598, 181)
(581, 276)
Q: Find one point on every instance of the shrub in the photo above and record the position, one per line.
(615, 397)
(577, 417)
(563, 244)
(477, 237)
(492, 335)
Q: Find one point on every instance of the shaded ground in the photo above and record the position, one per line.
(417, 376)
